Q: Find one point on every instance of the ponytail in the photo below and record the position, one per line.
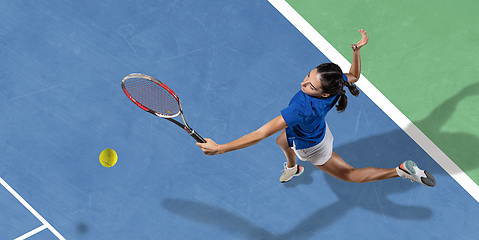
(343, 99)
(352, 88)
(342, 102)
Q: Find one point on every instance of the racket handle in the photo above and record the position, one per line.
(196, 136)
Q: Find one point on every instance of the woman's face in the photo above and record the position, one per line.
(312, 85)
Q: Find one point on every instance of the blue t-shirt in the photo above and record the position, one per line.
(305, 119)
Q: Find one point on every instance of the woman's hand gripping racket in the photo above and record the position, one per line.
(156, 98)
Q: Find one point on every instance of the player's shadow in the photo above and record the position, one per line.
(382, 151)
(461, 147)
(385, 150)
(371, 197)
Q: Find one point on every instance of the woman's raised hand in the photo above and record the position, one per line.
(362, 42)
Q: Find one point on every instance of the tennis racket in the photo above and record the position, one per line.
(156, 98)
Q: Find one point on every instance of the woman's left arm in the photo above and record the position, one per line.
(270, 128)
(355, 70)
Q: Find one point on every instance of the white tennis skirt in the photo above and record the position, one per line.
(320, 153)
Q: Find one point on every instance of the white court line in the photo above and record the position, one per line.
(378, 98)
(32, 211)
(31, 233)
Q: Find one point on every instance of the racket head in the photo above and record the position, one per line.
(151, 95)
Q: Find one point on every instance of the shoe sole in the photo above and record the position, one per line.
(296, 174)
(429, 180)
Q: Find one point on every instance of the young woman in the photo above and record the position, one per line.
(305, 132)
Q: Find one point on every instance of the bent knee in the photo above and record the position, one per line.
(282, 141)
(278, 140)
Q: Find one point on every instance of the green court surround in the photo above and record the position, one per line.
(421, 56)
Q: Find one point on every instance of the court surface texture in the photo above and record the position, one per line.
(235, 65)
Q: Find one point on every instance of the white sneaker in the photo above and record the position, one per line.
(289, 174)
(411, 171)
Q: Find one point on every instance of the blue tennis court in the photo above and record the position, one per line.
(235, 65)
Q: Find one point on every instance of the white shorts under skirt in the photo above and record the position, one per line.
(320, 153)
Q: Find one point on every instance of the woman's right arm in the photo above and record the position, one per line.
(270, 128)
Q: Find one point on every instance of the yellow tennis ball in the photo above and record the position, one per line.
(108, 157)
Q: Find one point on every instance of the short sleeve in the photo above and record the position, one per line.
(345, 78)
(295, 114)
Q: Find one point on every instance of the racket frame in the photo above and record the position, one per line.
(183, 125)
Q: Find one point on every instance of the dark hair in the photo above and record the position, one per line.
(332, 83)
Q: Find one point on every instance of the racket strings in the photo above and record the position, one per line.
(152, 96)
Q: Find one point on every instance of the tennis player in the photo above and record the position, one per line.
(305, 133)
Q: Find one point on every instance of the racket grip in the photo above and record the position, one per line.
(197, 137)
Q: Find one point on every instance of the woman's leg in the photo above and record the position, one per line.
(282, 142)
(294, 170)
(338, 168)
